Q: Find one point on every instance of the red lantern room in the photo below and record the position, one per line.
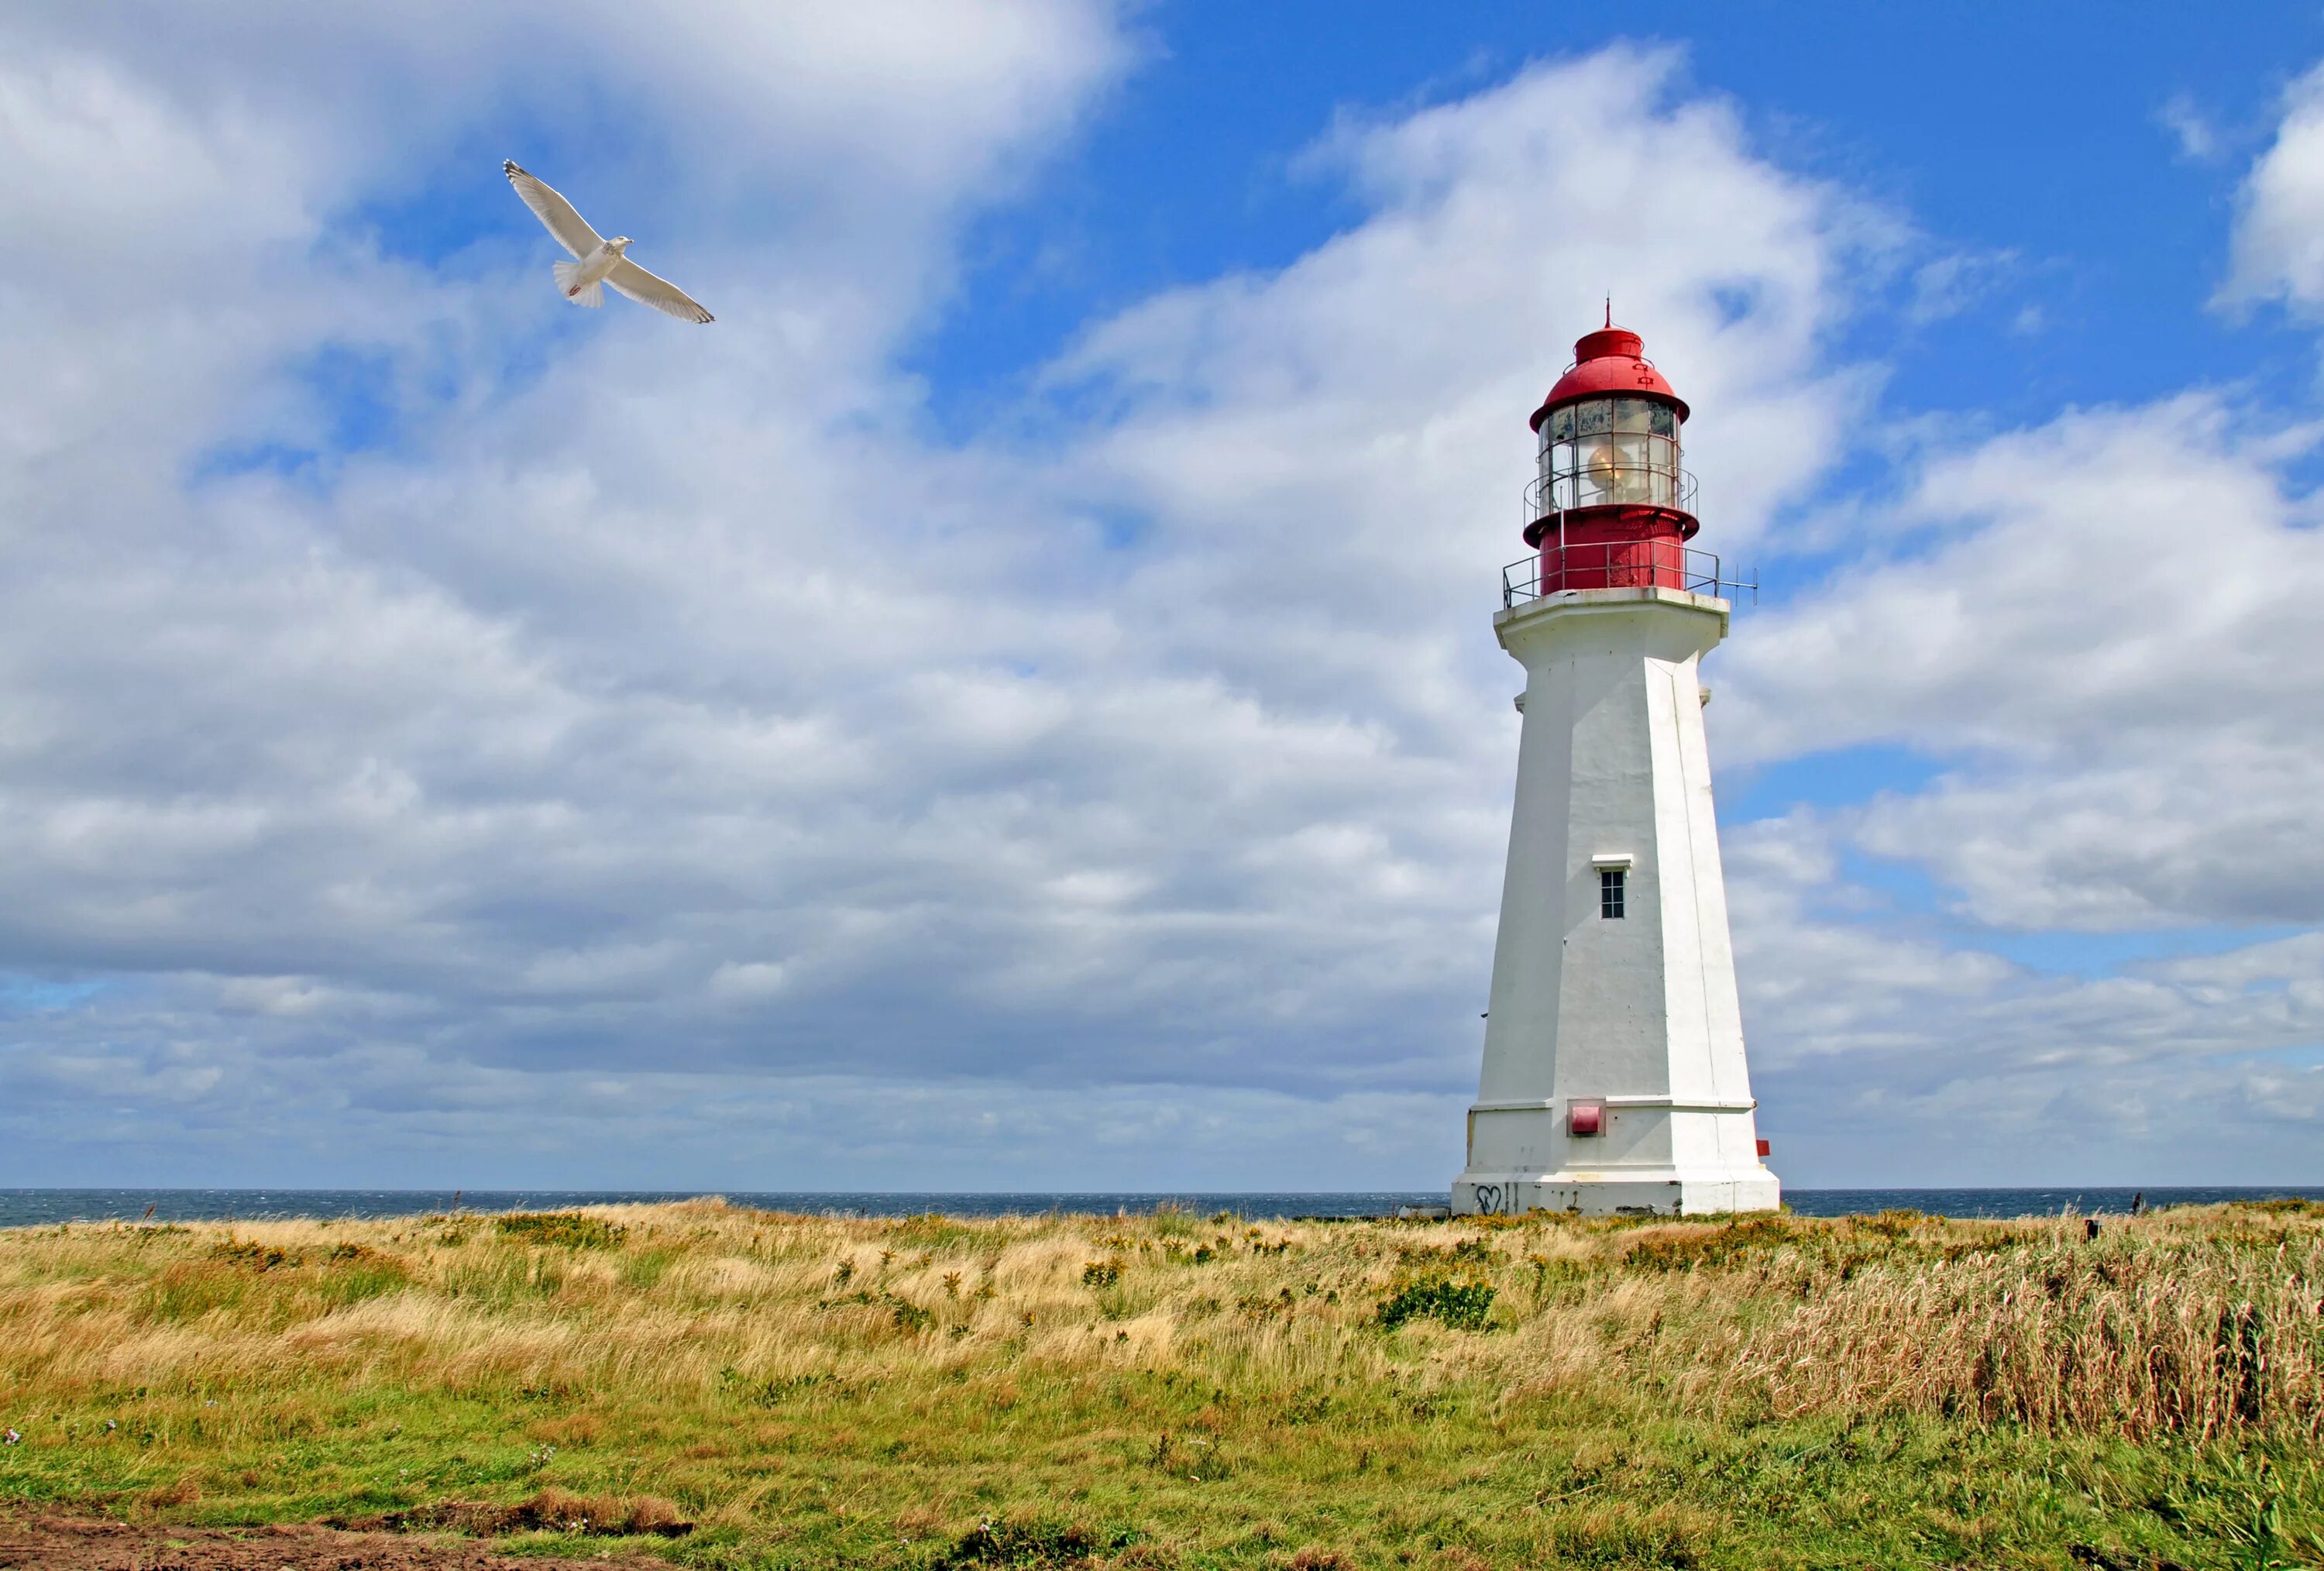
(1612, 508)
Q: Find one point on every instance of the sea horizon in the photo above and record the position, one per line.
(47, 1207)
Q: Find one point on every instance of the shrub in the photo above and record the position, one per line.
(568, 1229)
(258, 1257)
(1030, 1541)
(1896, 1222)
(1462, 1306)
(1714, 1247)
(1260, 1306)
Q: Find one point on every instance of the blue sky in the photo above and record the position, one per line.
(2034, 145)
(1012, 704)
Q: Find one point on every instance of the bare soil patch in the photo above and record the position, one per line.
(55, 1543)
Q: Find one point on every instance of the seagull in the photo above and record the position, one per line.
(599, 261)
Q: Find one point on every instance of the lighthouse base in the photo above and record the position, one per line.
(1652, 1192)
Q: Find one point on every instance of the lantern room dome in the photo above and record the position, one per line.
(1610, 360)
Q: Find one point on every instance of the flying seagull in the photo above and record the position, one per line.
(597, 261)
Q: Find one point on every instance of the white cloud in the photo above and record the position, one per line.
(2101, 632)
(2106, 623)
(2278, 249)
(1501, 220)
(681, 705)
(1948, 284)
(2199, 140)
(1887, 1050)
(654, 744)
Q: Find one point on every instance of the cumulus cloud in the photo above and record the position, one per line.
(2099, 621)
(1887, 1048)
(2099, 633)
(2278, 249)
(679, 704)
(443, 739)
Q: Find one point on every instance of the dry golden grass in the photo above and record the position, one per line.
(814, 1387)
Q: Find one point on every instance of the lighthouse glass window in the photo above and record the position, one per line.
(1603, 451)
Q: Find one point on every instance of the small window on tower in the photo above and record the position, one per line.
(1611, 881)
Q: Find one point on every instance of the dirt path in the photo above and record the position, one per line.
(77, 1543)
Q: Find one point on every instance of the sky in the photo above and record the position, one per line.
(1013, 704)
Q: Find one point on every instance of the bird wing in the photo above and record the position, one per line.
(627, 278)
(571, 229)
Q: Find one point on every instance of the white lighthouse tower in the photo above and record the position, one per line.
(1614, 1079)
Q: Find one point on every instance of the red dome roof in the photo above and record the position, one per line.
(1610, 360)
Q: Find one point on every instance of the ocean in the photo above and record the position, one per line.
(33, 1207)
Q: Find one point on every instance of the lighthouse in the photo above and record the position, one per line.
(1614, 1079)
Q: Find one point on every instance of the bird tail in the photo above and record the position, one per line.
(595, 295)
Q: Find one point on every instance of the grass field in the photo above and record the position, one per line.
(1189, 1390)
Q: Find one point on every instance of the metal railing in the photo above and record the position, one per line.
(1623, 564)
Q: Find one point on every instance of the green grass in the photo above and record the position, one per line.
(1188, 1391)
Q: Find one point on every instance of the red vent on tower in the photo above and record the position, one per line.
(1585, 1117)
(1763, 1147)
